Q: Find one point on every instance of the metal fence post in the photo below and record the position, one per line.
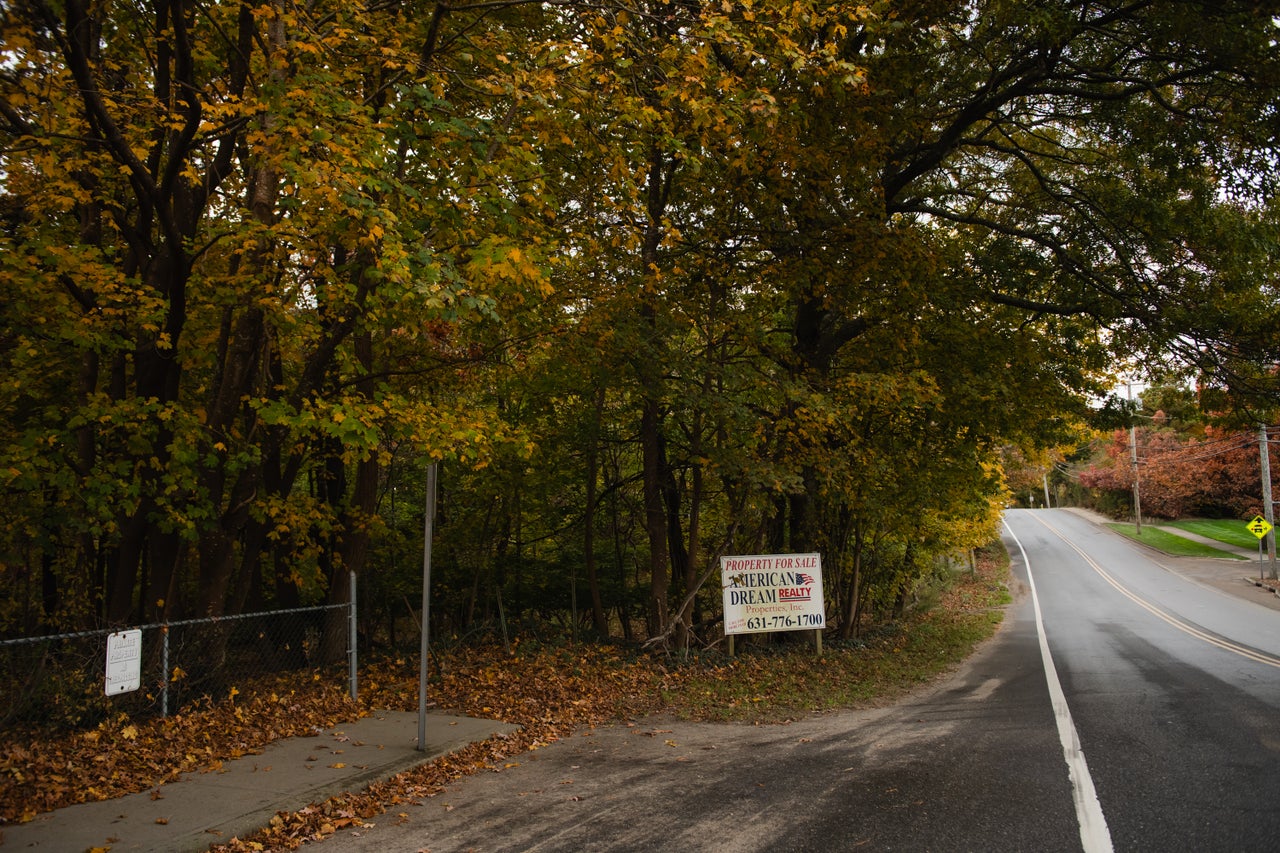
(351, 649)
(164, 671)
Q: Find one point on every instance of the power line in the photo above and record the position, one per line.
(1239, 443)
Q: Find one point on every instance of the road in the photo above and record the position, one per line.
(1162, 734)
(1173, 686)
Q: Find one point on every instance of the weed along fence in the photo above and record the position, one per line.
(80, 678)
(773, 592)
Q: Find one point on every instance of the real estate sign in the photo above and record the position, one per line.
(772, 592)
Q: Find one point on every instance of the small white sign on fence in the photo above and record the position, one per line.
(772, 592)
(124, 662)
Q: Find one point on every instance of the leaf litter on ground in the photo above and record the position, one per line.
(548, 691)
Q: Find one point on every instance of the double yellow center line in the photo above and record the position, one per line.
(1182, 625)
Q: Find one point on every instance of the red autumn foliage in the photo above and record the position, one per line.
(1217, 475)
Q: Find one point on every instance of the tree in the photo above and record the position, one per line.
(1059, 177)
(1216, 475)
(231, 237)
(748, 275)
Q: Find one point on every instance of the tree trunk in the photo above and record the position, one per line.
(850, 611)
(689, 613)
(598, 621)
(619, 556)
(655, 516)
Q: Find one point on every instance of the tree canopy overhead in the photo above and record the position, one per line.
(659, 281)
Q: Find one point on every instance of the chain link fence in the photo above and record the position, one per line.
(62, 680)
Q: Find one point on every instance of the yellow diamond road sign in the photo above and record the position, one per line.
(1259, 526)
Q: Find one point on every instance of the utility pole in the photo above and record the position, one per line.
(1268, 508)
(1133, 456)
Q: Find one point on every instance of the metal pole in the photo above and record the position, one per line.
(351, 641)
(1268, 508)
(164, 671)
(428, 531)
(1047, 505)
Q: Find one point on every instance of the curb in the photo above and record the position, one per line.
(1272, 585)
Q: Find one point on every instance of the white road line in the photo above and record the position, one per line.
(1094, 835)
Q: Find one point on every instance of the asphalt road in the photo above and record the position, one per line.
(1174, 688)
(1164, 738)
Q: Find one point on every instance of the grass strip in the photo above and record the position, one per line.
(1172, 543)
(1228, 530)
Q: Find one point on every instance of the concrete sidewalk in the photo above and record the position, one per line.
(202, 809)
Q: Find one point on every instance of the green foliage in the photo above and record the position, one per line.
(656, 283)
